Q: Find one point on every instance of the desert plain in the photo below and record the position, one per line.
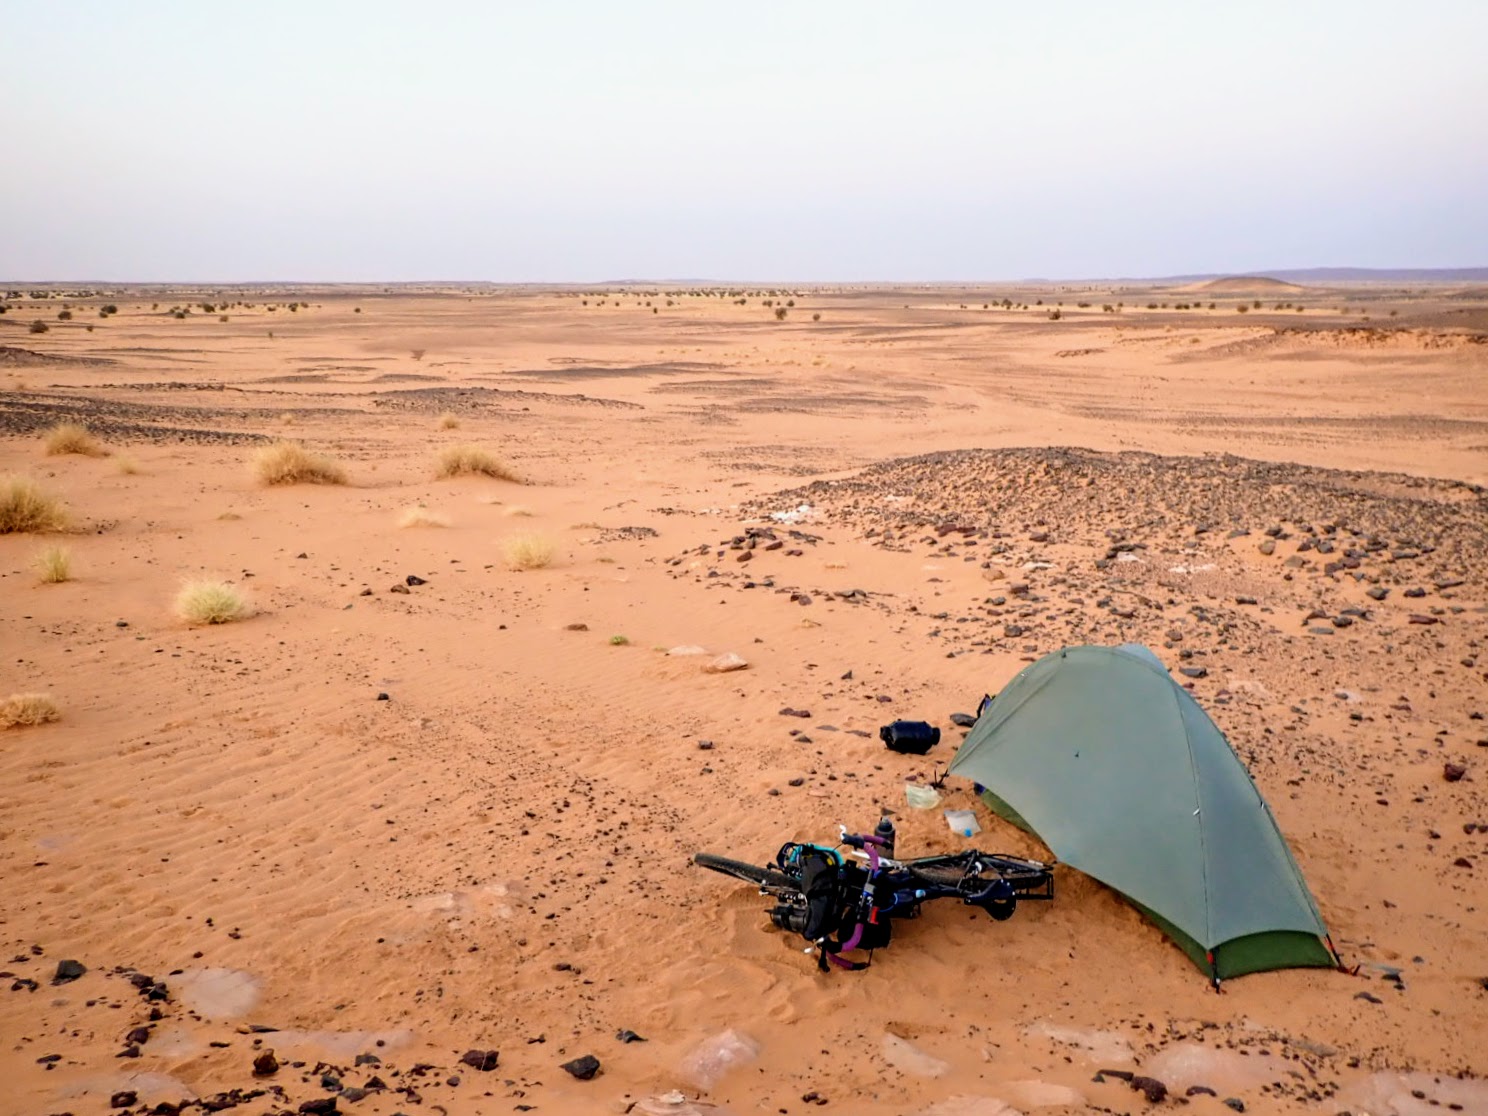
(438, 793)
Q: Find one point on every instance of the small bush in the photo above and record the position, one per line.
(780, 313)
(292, 463)
(39, 326)
(1055, 315)
(528, 551)
(448, 421)
(127, 465)
(22, 710)
(455, 461)
(211, 602)
(69, 437)
(25, 508)
(53, 565)
(422, 517)
(619, 640)
(64, 315)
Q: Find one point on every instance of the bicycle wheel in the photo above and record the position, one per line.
(749, 873)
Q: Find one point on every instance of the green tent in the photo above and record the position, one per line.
(1114, 766)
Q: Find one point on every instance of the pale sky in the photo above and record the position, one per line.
(146, 140)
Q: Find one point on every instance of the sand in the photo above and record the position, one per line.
(421, 803)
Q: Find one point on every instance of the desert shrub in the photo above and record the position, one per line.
(211, 602)
(39, 326)
(619, 640)
(816, 317)
(25, 508)
(528, 551)
(53, 565)
(22, 710)
(448, 421)
(126, 465)
(107, 309)
(1256, 304)
(1243, 308)
(780, 313)
(64, 315)
(455, 461)
(1054, 315)
(292, 463)
(69, 437)
(421, 516)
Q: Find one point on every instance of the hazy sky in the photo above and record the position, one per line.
(810, 141)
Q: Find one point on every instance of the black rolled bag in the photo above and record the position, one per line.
(913, 738)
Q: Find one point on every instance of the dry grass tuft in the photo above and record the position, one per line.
(24, 507)
(69, 437)
(455, 461)
(127, 465)
(518, 511)
(528, 551)
(292, 463)
(448, 421)
(53, 565)
(422, 517)
(22, 710)
(212, 602)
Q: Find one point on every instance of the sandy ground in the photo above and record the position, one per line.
(248, 850)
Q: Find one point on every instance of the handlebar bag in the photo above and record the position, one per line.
(822, 887)
(911, 737)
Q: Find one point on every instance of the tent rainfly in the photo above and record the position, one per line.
(1113, 765)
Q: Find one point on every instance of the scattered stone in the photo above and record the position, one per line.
(124, 1099)
(705, 745)
(382, 695)
(483, 1060)
(356, 1093)
(963, 720)
(1245, 601)
(725, 663)
(1199, 1091)
(1368, 997)
(1194, 672)
(322, 1106)
(1234, 1102)
(138, 1037)
(68, 971)
(1418, 618)
(398, 588)
(1453, 771)
(414, 579)
(1462, 862)
(266, 1064)
(1377, 592)
(576, 627)
(582, 1068)
(789, 712)
(798, 782)
(1267, 547)
(1415, 593)
(627, 1035)
(1153, 1089)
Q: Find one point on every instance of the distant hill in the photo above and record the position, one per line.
(1244, 284)
(1356, 275)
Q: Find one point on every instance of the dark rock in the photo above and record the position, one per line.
(963, 720)
(399, 588)
(1194, 672)
(1368, 997)
(1013, 631)
(1418, 618)
(414, 579)
(582, 1068)
(798, 782)
(1124, 1075)
(1377, 592)
(1462, 862)
(1154, 1090)
(789, 712)
(1234, 1102)
(330, 1082)
(1200, 1091)
(483, 1060)
(1267, 547)
(69, 971)
(124, 1099)
(139, 1036)
(265, 1065)
(382, 696)
(626, 1035)
(803, 599)
(1415, 593)
(1453, 772)
(355, 1094)
(322, 1106)
(576, 627)
(130, 1051)
(1245, 600)
(705, 745)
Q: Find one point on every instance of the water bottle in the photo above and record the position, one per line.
(885, 832)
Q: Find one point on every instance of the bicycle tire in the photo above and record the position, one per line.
(749, 873)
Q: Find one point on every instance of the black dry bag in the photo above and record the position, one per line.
(914, 738)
